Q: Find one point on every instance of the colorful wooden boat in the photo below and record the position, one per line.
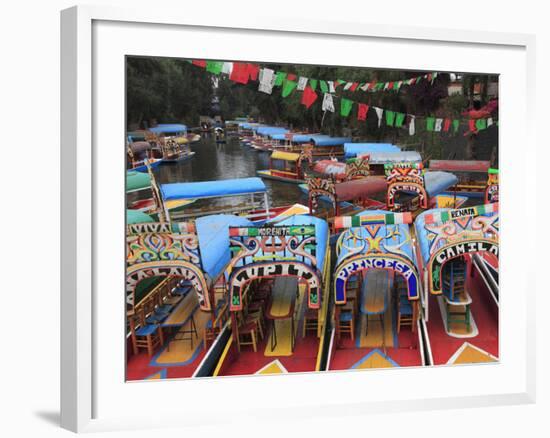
(377, 288)
(460, 305)
(357, 192)
(287, 166)
(469, 173)
(243, 196)
(152, 205)
(411, 188)
(278, 295)
(176, 296)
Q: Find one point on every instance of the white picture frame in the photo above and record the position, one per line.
(89, 188)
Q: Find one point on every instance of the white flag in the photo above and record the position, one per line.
(438, 124)
(328, 103)
(302, 82)
(365, 87)
(348, 85)
(379, 112)
(489, 121)
(411, 126)
(331, 86)
(266, 79)
(227, 68)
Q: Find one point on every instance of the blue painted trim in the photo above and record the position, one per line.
(381, 353)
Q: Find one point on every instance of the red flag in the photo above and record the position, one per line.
(240, 73)
(472, 125)
(199, 63)
(308, 96)
(353, 86)
(446, 125)
(253, 70)
(291, 77)
(362, 110)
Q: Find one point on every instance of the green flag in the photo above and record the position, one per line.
(313, 84)
(430, 123)
(456, 124)
(345, 107)
(481, 124)
(288, 87)
(399, 119)
(214, 67)
(279, 78)
(390, 117)
(324, 86)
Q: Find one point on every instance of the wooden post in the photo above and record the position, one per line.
(235, 331)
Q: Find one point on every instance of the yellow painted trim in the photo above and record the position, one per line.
(287, 156)
(324, 307)
(223, 356)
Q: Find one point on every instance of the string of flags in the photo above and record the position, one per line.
(268, 79)
(243, 72)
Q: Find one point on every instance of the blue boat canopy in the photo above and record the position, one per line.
(437, 182)
(353, 149)
(296, 138)
(169, 128)
(210, 189)
(327, 140)
(213, 234)
(271, 130)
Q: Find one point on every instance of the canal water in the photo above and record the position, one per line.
(229, 160)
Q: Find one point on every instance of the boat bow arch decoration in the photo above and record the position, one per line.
(160, 250)
(364, 262)
(491, 191)
(318, 187)
(449, 234)
(260, 252)
(405, 177)
(375, 240)
(454, 250)
(358, 167)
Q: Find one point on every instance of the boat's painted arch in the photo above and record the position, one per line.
(405, 177)
(363, 262)
(452, 251)
(242, 276)
(174, 268)
(160, 249)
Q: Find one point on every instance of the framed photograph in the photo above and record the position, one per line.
(301, 217)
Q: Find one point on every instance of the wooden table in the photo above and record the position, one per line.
(180, 315)
(281, 306)
(374, 297)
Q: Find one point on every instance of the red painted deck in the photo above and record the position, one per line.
(485, 313)
(139, 368)
(249, 362)
(406, 354)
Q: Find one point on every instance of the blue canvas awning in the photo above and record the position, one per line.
(169, 128)
(209, 189)
(271, 130)
(353, 149)
(327, 140)
(438, 182)
(296, 138)
(213, 234)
